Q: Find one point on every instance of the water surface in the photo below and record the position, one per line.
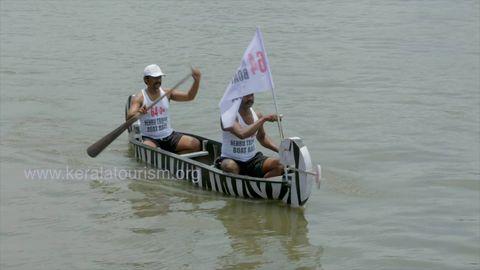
(385, 94)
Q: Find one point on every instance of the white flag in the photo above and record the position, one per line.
(252, 76)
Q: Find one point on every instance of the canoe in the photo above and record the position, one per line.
(198, 168)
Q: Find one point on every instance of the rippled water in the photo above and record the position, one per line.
(385, 94)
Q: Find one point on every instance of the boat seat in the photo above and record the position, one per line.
(195, 154)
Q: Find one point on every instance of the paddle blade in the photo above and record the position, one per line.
(96, 148)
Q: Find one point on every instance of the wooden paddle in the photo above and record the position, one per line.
(96, 148)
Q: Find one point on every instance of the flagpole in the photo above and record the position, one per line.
(279, 122)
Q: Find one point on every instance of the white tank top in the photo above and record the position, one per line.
(156, 122)
(236, 148)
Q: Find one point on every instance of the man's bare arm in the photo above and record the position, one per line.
(245, 132)
(264, 139)
(178, 95)
(136, 106)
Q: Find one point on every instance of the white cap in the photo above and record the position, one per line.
(153, 70)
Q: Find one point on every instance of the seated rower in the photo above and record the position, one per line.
(239, 155)
(155, 123)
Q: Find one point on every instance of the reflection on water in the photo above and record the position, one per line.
(153, 204)
(260, 233)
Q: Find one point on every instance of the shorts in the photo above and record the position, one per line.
(168, 143)
(252, 167)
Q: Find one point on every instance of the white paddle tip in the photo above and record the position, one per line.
(318, 175)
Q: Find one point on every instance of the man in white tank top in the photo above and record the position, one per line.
(239, 154)
(155, 123)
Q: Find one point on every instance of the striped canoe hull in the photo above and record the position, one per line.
(207, 177)
(199, 171)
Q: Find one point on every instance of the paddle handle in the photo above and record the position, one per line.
(168, 92)
(96, 148)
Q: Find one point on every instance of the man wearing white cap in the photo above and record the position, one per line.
(155, 123)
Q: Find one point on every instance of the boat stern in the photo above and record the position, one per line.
(295, 157)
